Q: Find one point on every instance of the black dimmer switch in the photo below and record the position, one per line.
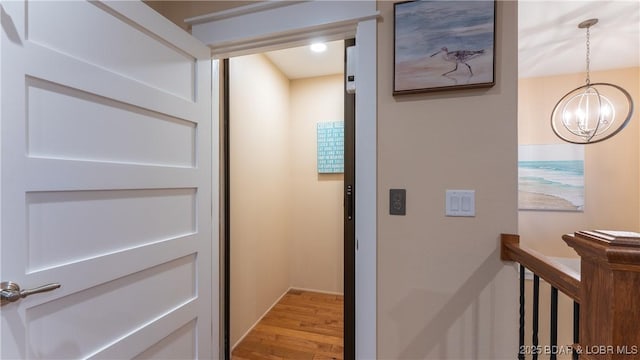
(398, 201)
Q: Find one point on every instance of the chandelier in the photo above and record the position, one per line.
(592, 112)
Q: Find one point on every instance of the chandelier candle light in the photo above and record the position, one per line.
(591, 113)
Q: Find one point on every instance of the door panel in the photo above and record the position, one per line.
(105, 183)
(111, 130)
(57, 322)
(158, 63)
(179, 344)
(59, 223)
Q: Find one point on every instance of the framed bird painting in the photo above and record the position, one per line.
(443, 45)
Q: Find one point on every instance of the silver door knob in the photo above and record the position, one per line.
(10, 291)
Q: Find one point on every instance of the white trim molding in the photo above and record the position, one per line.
(241, 10)
(228, 34)
(276, 26)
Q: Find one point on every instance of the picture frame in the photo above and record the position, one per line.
(551, 177)
(443, 45)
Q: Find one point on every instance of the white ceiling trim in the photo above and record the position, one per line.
(241, 10)
(333, 20)
(261, 44)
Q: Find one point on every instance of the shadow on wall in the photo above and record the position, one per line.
(451, 309)
(331, 177)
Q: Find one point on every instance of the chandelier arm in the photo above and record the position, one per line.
(629, 113)
(553, 115)
(595, 131)
(581, 130)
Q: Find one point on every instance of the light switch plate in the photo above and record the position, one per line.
(460, 203)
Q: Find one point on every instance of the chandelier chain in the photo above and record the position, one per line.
(588, 54)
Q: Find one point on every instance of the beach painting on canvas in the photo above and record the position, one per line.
(443, 45)
(551, 177)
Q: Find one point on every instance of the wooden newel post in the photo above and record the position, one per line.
(609, 293)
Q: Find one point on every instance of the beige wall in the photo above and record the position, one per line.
(611, 167)
(286, 220)
(443, 292)
(260, 194)
(316, 216)
(178, 11)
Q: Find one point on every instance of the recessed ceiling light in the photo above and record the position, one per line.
(318, 47)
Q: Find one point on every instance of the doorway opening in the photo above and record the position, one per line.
(289, 249)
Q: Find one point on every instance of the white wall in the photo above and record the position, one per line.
(286, 219)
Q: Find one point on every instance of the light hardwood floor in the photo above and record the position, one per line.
(302, 325)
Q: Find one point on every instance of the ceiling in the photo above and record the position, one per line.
(549, 40)
(301, 62)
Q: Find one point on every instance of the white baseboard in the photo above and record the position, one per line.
(259, 319)
(317, 291)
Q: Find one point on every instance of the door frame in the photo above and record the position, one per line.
(227, 35)
(349, 223)
(348, 218)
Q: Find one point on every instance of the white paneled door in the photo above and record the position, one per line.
(105, 183)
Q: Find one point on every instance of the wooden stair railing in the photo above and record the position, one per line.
(560, 278)
(557, 275)
(609, 293)
(608, 290)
